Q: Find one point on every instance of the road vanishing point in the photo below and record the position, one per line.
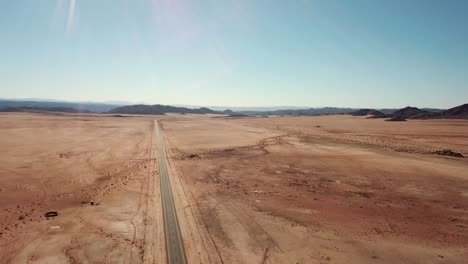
(175, 252)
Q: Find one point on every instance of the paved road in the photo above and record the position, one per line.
(174, 246)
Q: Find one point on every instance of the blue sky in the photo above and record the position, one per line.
(360, 53)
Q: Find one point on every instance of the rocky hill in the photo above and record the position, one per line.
(409, 112)
(368, 112)
(458, 112)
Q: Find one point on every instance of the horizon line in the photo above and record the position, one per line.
(282, 107)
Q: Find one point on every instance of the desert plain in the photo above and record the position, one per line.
(293, 189)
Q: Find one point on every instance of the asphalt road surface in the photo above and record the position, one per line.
(174, 246)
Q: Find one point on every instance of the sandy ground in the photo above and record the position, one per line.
(415, 136)
(62, 163)
(334, 189)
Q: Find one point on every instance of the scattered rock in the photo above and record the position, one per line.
(51, 214)
(55, 228)
(448, 152)
(193, 156)
(377, 230)
(364, 194)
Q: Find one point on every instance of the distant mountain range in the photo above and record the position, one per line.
(160, 110)
(23, 105)
(79, 106)
(459, 112)
(239, 109)
(43, 109)
(308, 111)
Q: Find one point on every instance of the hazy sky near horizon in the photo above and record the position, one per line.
(361, 53)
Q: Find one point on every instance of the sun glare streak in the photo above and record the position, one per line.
(71, 14)
(57, 13)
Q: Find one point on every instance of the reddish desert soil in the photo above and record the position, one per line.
(62, 163)
(332, 189)
(354, 190)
